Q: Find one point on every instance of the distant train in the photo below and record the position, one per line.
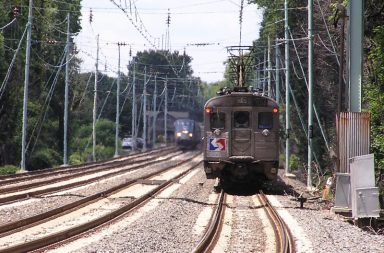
(187, 133)
(241, 136)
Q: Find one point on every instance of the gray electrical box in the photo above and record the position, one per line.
(367, 203)
(365, 196)
(343, 192)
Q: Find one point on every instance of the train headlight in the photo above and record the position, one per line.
(184, 131)
(190, 134)
(217, 132)
(265, 132)
(178, 134)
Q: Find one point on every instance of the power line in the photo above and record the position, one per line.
(5, 81)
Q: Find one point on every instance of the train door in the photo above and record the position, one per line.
(241, 133)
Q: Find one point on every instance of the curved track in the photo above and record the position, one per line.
(283, 237)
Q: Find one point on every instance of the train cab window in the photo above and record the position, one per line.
(217, 120)
(241, 119)
(265, 120)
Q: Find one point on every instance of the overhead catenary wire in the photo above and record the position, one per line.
(10, 23)
(314, 107)
(5, 81)
(299, 114)
(44, 111)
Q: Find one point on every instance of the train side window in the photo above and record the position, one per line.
(241, 119)
(265, 120)
(217, 120)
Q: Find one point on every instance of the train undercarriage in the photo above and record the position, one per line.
(242, 172)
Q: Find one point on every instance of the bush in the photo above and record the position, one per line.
(294, 162)
(44, 158)
(81, 144)
(9, 169)
(77, 158)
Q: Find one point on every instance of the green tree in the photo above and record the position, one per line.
(49, 22)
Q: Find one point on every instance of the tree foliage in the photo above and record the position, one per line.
(174, 69)
(47, 84)
(327, 41)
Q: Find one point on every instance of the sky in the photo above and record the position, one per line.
(192, 22)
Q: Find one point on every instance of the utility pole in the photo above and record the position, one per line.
(145, 110)
(264, 71)
(277, 64)
(117, 104)
(154, 114)
(287, 103)
(68, 48)
(355, 54)
(165, 109)
(310, 91)
(167, 37)
(134, 107)
(259, 83)
(269, 69)
(95, 104)
(26, 84)
(340, 107)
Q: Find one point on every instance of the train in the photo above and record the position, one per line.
(241, 136)
(187, 134)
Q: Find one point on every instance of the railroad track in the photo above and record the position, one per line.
(31, 175)
(284, 240)
(44, 241)
(17, 192)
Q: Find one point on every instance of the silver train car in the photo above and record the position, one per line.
(187, 133)
(241, 136)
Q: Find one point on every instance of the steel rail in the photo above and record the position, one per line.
(49, 240)
(211, 235)
(19, 225)
(68, 174)
(27, 195)
(284, 239)
(8, 179)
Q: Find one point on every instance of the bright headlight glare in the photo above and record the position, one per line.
(190, 134)
(178, 134)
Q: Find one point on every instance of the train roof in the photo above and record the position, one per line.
(242, 96)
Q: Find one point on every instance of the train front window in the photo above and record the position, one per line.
(217, 120)
(265, 120)
(241, 119)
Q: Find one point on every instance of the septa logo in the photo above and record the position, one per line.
(217, 144)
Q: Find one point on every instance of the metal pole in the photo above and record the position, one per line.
(65, 158)
(134, 107)
(355, 54)
(277, 81)
(154, 114)
(287, 103)
(340, 104)
(258, 74)
(310, 91)
(165, 109)
(26, 83)
(264, 71)
(341, 59)
(95, 104)
(117, 105)
(269, 69)
(145, 110)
